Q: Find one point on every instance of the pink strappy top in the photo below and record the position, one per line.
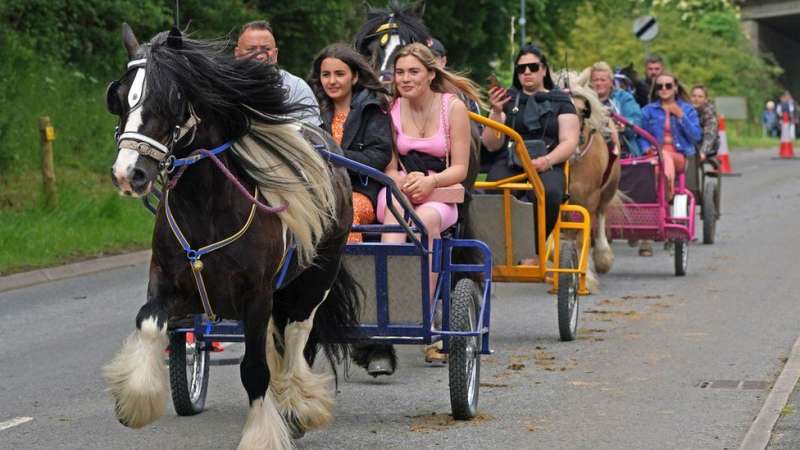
(436, 145)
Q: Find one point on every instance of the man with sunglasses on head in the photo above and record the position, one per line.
(258, 42)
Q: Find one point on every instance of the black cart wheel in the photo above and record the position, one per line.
(465, 351)
(188, 375)
(568, 292)
(709, 211)
(681, 257)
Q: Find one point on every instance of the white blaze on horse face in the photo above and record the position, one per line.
(391, 46)
(126, 158)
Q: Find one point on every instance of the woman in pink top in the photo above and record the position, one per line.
(432, 131)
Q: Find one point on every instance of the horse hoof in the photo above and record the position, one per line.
(380, 366)
(296, 431)
(120, 419)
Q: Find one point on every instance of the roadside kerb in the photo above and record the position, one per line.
(757, 437)
(25, 279)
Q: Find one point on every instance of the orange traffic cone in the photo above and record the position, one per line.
(786, 151)
(723, 154)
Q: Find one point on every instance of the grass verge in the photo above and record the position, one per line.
(90, 220)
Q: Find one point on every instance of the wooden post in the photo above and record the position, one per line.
(48, 135)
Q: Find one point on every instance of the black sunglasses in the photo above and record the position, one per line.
(533, 67)
(660, 86)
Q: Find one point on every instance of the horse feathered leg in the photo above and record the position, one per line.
(264, 429)
(303, 397)
(602, 255)
(137, 377)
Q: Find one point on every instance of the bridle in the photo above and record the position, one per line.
(389, 40)
(138, 142)
(584, 144)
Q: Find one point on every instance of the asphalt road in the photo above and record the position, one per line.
(657, 364)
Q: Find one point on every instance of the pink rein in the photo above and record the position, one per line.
(261, 206)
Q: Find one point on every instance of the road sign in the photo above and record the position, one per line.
(645, 28)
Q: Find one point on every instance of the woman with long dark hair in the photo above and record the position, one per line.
(545, 118)
(353, 105)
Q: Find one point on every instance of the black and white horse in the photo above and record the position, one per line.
(386, 31)
(179, 95)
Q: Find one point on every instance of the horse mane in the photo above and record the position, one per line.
(578, 86)
(246, 99)
(410, 26)
(217, 84)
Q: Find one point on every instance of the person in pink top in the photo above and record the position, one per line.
(432, 134)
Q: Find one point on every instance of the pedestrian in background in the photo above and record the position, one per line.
(787, 105)
(770, 124)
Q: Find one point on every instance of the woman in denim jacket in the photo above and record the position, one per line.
(678, 135)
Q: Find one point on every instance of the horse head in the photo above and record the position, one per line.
(148, 131)
(625, 78)
(592, 114)
(386, 31)
(178, 94)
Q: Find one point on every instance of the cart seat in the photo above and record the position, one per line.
(488, 224)
(638, 181)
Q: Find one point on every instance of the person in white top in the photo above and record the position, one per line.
(257, 41)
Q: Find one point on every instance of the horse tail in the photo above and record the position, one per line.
(337, 319)
(617, 205)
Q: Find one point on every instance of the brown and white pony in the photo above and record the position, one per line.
(594, 169)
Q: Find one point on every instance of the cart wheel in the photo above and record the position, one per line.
(681, 257)
(709, 212)
(568, 292)
(465, 351)
(188, 375)
(718, 196)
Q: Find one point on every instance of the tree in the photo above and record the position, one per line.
(700, 46)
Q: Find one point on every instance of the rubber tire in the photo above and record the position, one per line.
(464, 360)
(568, 299)
(187, 402)
(681, 249)
(709, 212)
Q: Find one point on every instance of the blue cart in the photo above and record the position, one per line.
(397, 307)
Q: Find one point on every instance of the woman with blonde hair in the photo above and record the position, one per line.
(617, 101)
(432, 138)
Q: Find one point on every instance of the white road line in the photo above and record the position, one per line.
(757, 437)
(14, 422)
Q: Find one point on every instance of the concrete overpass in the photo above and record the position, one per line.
(774, 27)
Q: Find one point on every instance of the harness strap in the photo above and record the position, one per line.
(197, 156)
(201, 288)
(612, 156)
(194, 255)
(582, 152)
(283, 266)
